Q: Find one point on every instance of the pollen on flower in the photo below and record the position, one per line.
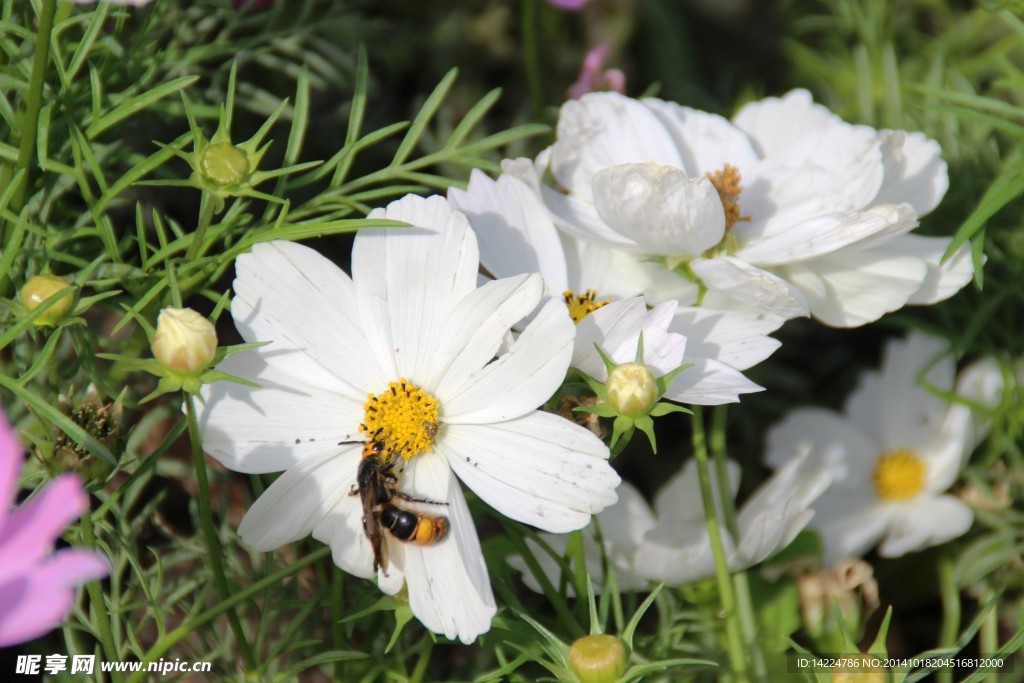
(404, 418)
(727, 182)
(582, 305)
(899, 474)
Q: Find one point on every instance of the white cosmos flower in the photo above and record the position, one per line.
(787, 208)
(671, 543)
(898, 447)
(678, 550)
(517, 235)
(345, 351)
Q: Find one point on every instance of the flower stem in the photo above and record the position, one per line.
(950, 596)
(98, 603)
(206, 205)
(28, 122)
(734, 636)
(531, 58)
(744, 602)
(213, 548)
(988, 635)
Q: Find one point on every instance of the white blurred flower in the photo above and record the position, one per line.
(787, 209)
(899, 446)
(678, 549)
(671, 544)
(600, 287)
(411, 330)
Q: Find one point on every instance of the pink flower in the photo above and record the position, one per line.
(568, 5)
(37, 585)
(592, 79)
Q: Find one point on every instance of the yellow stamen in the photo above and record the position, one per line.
(899, 474)
(582, 305)
(404, 418)
(727, 182)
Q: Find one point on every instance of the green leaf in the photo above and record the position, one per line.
(134, 104)
(426, 113)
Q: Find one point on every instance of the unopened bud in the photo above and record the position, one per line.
(38, 289)
(597, 659)
(632, 389)
(224, 165)
(185, 342)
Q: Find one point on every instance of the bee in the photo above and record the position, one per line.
(377, 487)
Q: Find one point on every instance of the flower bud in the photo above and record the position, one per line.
(597, 659)
(224, 165)
(185, 342)
(38, 289)
(632, 389)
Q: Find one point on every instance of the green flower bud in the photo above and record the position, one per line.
(597, 659)
(632, 389)
(38, 289)
(224, 165)
(185, 342)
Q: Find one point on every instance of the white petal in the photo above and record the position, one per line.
(851, 288)
(677, 553)
(943, 279)
(779, 509)
(707, 141)
(617, 327)
(540, 469)
(274, 427)
(850, 521)
(750, 285)
(617, 273)
(578, 217)
(982, 382)
(830, 438)
(660, 208)
(514, 229)
(299, 499)
(735, 338)
(926, 522)
(828, 233)
(914, 170)
(295, 298)
(680, 498)
(949, 449)
(609, 324)
(824, 172)
(521, 379)
(449, 590)
(342, 529)
(709, 383)
(906, 413)
(477, 327)
(606, 129)
(777, 123)
(409, 279)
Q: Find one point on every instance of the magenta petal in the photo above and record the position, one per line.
(10, 463)
(570, 5)
(37, 602)
(29, 533)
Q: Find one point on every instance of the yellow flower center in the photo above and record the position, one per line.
(727, 182)
(404, 418)
(899, 474)
(582, 305)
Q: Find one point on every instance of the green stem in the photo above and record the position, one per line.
(28, 122)
(741, 582)
(165, 643)
(424, 660)
(97, 604)
(988, 635)
(531, 55)
(337, 614)
(213, 548)
(950, 597)
(205, 218)
(727, 596)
